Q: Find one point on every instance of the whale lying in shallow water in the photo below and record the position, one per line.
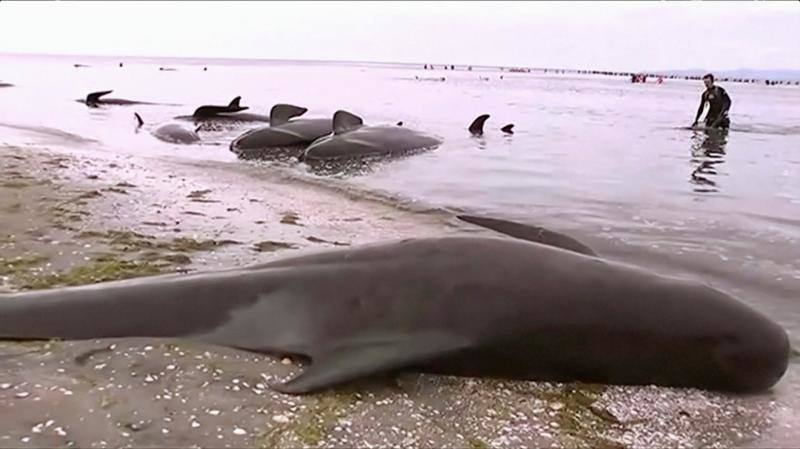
(230, 113)
(171, 132)
(473, 306)
(352, 139)
(285, 137)
(97, 99)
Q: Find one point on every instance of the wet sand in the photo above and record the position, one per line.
(74, 219)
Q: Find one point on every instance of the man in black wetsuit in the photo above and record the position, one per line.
(719, 102)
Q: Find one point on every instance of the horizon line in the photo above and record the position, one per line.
(212, 58)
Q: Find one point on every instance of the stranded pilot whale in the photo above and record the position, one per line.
(171, 132)
(284, 136)
(352, 139)
(95, 99)
(230, 113)
(469, 306)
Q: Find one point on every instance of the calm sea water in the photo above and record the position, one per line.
(597, 157)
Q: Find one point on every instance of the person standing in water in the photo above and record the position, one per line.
(719, 103)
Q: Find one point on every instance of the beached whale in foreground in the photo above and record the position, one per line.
(472, 306)
(285, 137)
(352, 139)
(230, 113)
(171, 132)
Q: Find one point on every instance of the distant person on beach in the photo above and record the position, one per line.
(719, 103)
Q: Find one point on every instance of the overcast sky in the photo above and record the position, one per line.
(613, 35)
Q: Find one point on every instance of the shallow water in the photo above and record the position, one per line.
(604, 160)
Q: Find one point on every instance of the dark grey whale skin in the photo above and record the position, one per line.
(287, 138)
(472, 306)
(351, 139)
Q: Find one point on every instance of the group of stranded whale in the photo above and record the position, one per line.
(286, 134)
(525, 303)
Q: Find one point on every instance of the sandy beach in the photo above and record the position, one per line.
(71, 219)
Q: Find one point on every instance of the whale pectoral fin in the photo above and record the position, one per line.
(94, 97)
(362, 359)
(344, 121)
(281, 113)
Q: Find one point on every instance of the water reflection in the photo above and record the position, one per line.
(481, 141)
(708, 150)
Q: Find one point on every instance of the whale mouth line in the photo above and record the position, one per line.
(269, 153)
(345, 164)
(380, 154)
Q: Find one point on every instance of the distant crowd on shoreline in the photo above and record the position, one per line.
(637, 77)
(640, 77)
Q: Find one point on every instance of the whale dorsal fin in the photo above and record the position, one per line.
(344, 121)
(476, 128)
(139, 121)
(281, 113)
(530, 233)
(94, 97)
(234, 106)
(508, 129)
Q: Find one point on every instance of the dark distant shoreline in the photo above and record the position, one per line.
(754, 76)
